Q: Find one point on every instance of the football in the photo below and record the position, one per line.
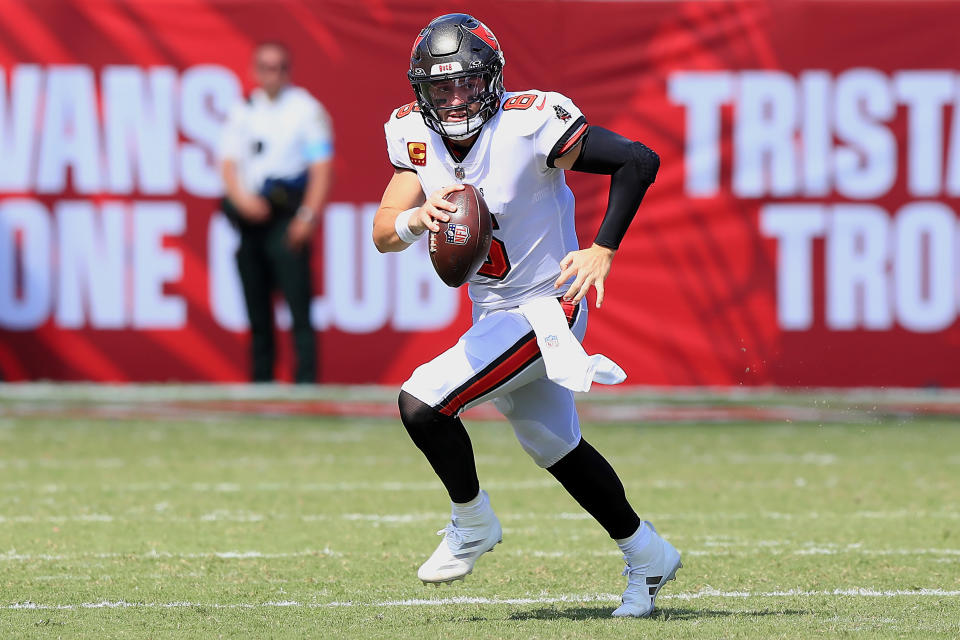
(462, 244)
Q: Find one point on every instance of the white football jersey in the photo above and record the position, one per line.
(510, 163)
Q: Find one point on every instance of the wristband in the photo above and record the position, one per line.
(402, 226)
(306, 214)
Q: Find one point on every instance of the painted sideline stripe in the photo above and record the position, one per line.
(130, 392)
(600, 597)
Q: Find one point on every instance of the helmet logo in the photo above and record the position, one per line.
(423, 34)
(446, 67)
(482, 32)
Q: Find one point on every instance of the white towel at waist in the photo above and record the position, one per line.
(566, 361)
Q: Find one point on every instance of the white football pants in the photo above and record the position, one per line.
(498, 359)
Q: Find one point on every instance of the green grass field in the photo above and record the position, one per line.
(150, 518)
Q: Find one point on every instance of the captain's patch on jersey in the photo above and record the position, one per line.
(457, 233)
(418, 153)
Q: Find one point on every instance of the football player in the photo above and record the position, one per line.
(462, 128)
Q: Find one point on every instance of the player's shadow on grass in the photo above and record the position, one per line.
(665, 614)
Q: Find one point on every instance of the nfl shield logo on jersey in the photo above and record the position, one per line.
(457, 233)
(458, 173)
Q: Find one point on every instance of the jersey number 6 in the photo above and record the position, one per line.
(497, 264)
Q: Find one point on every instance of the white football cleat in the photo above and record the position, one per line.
(646, 573)
(464, 540)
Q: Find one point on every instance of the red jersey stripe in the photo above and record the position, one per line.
(574, 139)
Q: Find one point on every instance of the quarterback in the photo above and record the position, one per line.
(529, 309)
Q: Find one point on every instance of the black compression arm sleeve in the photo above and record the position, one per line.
(632, 166)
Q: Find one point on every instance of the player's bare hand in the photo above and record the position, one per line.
(254, 208)
(434, 209)
(299, 232)
(590, 266)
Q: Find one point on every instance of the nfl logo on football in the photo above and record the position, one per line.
(457, 233)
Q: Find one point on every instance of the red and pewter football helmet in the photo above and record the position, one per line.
(456, 47)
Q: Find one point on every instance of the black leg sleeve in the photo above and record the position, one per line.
(593, 483)
(445, 443)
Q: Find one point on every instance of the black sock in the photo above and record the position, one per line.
(589, 478)
(445, 442)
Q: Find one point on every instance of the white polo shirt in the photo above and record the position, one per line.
(276, 138)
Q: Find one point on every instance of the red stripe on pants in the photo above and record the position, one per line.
(498, 374)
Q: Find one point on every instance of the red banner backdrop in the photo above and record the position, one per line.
(802, 231)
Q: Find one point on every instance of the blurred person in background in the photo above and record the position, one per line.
(275, 156)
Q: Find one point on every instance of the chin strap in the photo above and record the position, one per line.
(462, 130)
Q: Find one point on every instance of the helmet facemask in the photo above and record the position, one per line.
(456, 107)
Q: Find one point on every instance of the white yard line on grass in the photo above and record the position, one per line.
(336, 487)
(233, 487)
(789, 549)
(13, 556)
(714, 552)
(460, 600)
(226, 515)
(816, 459)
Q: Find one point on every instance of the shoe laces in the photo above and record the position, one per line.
(635, 575)
(453, 534)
